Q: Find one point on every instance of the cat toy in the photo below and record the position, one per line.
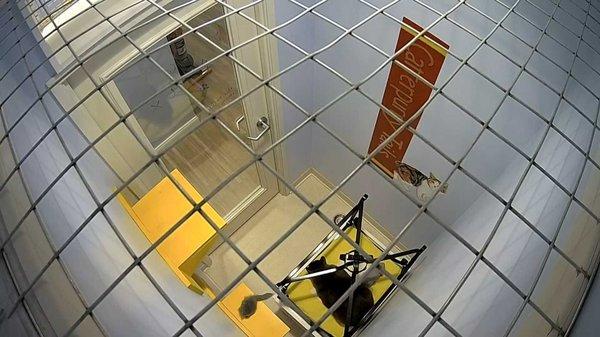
(250, 304)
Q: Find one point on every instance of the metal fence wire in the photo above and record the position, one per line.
(567, 71)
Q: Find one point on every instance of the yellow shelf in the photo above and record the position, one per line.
(161, 208)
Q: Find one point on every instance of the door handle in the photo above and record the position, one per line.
(238, 121)
(262, 124)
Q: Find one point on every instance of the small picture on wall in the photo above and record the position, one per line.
(413, 179)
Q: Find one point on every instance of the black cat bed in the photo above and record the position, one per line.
(337, 251)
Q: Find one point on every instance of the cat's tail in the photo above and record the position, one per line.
(249, 304)
(263, 297)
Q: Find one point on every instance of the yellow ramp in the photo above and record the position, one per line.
(161, 208)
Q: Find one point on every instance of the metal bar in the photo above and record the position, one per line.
(181, 190)
(504, 211)
(314, 209)
(64, 75)
(124, 117)
(39, 221)
(421, 210)
(450, 160)
(557, 231)
(578, 268)
(104, 214)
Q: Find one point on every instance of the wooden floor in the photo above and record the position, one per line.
(211, 154)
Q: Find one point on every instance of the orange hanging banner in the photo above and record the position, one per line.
(405, 94)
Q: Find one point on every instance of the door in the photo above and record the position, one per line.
(170, 123)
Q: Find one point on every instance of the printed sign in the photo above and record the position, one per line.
(404, 94)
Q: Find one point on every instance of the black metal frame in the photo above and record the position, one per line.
(352, 261)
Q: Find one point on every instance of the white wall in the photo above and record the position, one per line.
(353, 117)
(443, 123)
(296, 84)
(18, 324)
(486, 305)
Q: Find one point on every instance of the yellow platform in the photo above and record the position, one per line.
(304, 295)
(264, 323)
(161, 208)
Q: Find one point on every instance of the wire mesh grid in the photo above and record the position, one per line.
(12, 19)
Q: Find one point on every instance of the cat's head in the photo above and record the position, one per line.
(402, 172)
(434, 183)
(317, 265)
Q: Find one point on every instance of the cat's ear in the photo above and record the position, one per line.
(322, 259)
(432, 177)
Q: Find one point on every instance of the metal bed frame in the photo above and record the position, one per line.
(351, 262)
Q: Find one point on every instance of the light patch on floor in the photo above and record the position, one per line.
(268, 225)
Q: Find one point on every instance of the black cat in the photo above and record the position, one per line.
(331, 287)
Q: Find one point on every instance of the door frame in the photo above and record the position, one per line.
(265, 12)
